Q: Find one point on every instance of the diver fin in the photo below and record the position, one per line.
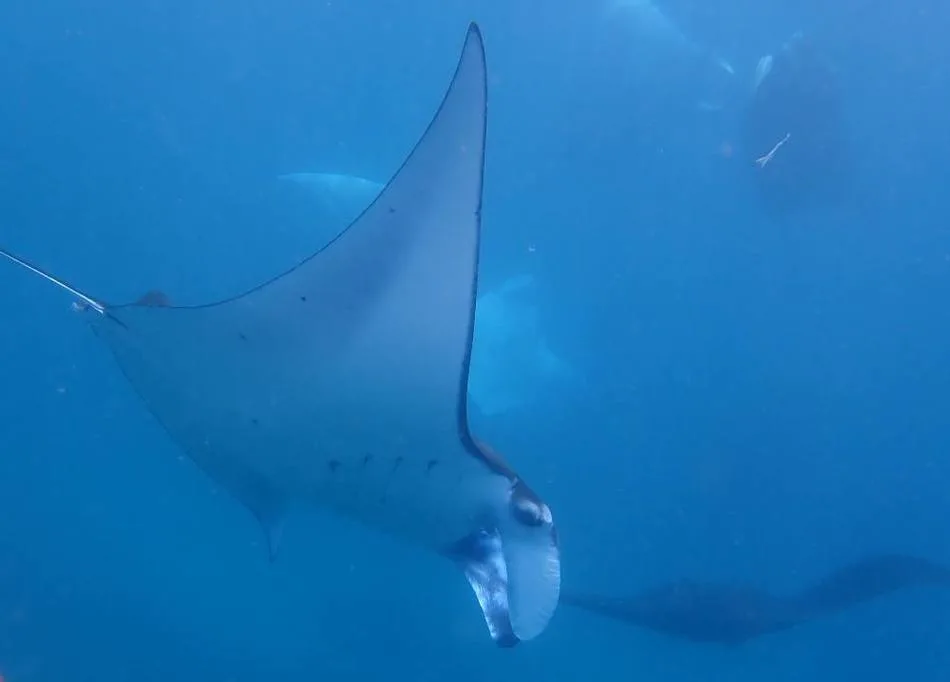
(87, 300)
(482, 561)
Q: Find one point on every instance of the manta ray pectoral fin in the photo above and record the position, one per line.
(266, 506)
(514, 569)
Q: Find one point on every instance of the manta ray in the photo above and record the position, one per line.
(665, 54)
(342, 382)
(793, 132)
(512, 363)
(733, 614)
(513, 367)
(340, 197)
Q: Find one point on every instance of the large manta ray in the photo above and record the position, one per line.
(732, 614)
(342, 382)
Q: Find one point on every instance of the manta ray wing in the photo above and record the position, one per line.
(343, 382)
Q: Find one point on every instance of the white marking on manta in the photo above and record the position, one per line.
(512, 362)
(342, 383)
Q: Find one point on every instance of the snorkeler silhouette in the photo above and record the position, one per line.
(732, 614)
(793, 134)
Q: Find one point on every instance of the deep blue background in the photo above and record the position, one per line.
(768, 399)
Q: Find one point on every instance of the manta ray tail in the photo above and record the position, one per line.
(266, 509)
(86, 300)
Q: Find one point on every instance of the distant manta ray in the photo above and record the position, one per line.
(794, 133)
(652, 24)
(664, 51)
(732, 614)
(342, 382)
(512, 362)
(341, 197)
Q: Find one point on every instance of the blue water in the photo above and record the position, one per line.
(765, 400)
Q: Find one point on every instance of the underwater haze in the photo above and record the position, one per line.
(700, 381)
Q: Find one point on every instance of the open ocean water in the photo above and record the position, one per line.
(699, 386)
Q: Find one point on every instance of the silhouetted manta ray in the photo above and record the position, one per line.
(794, 129)
(732, 614)
(342, 383)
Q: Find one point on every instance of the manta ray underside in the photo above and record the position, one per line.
(342, 383)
